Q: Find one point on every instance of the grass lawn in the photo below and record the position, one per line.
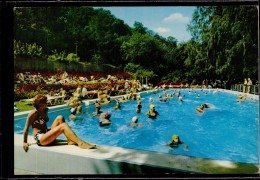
(23, 106)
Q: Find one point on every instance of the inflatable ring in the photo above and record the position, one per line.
(200, 110)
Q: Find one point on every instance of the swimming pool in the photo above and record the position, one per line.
(226, 131)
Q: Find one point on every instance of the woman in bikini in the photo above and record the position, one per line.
(38, 119)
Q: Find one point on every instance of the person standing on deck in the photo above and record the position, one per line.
(245, 85)
(249, 84)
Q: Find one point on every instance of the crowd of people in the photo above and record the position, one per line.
(38, 118)
(62, 77)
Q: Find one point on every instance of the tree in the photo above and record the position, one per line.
(224, 37)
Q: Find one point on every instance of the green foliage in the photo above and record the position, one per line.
(224, 38)
(173, 77)
(61, 56)
(27, 50)
(131, 67)
(72, 57)
(224, 43)
(57, 56)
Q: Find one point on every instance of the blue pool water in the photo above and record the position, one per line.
(226, 131)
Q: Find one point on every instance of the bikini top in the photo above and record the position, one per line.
(39, 120)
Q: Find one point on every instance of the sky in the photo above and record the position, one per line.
(164, 20)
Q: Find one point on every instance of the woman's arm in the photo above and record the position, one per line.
(28, 123)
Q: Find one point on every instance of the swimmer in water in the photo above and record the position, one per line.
(134, 122)
(206, 105)
(176, 142)
(201, 108)
(180, 99)
(98, 107)
(104, 119)
(152, 113)
(75, 110)
(139, 106)
(118, 105)
(241, 98)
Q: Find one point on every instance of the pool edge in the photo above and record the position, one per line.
(70, 159)
(112, 165)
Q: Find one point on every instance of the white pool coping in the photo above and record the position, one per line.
(69, 159)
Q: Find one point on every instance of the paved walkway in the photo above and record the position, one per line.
(23, 172)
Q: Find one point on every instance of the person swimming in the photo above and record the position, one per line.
(134, 122)
(75, 110)
(180, 98)
(118, 105)
(176, 142)
(152, 113)
(139, 106)
(98, 107)
(241, 98)
(200, 109)
(104, 119)
(206, 105)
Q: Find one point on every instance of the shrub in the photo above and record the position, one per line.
(61, 56)
(27, 50)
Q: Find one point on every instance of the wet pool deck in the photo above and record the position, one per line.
(63, 159)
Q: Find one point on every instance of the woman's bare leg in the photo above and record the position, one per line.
(59, 126)
(59, 120)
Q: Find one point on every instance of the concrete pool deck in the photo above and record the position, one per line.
(63, 159)
(69, 159)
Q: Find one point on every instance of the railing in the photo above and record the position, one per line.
(240, 88)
